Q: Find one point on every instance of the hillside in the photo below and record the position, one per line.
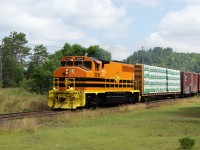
(166, 57)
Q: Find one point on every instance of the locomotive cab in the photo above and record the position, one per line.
(77, 68)
(69, 81)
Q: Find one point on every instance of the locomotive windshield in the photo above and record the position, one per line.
(83, 64)
(69, 63)
(63, 63)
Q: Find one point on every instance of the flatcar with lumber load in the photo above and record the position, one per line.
(156, 81)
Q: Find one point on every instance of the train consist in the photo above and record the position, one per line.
(83, 81)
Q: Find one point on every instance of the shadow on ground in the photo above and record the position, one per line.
(186, 114)
(189, 111)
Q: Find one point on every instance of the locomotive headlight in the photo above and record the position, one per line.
(71, 88)
(66, 71)
(54, 88)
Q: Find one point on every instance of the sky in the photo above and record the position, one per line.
(118, 26)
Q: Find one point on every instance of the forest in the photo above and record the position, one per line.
(166, 57)
(32, 68)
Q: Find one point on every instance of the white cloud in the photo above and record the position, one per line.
(119, 31)
(16, 17)
(119, 52)
(179, 30)
(59, 21)
(194, 2)
(142, 3)
(108, 23)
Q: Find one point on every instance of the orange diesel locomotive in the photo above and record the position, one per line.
(85, 81)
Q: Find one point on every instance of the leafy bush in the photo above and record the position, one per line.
(186, 143)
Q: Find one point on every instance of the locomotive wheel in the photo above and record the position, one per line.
(131, 98)
(91, 101)
(128, 98)
(143, 99)
(103, 99)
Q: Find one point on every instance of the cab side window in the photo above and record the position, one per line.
(96, 66)
(87, 64)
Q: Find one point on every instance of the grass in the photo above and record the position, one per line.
(19, 125)
(18, 100)
(107, 129)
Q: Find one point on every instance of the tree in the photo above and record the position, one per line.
(37, 73)
(96, 51)
(67, 50)
(39, 55)
(42, 77)
(78, 50)
(14, 45)
(165, 57)
(13, 72)
(14, 54)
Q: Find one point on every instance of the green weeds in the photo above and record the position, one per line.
(18, 100)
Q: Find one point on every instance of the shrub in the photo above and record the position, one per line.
(186, 143)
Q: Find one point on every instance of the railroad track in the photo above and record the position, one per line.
(157, 103)
(21, 115)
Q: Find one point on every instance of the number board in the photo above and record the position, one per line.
(68, 58)
(79, 58)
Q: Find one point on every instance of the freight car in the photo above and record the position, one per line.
(156, 81)
(189, 83)
(83, 81)
(198, 83)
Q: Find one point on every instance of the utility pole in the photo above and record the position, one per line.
(142, 56)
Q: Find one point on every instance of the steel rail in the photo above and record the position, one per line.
(21, 115)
